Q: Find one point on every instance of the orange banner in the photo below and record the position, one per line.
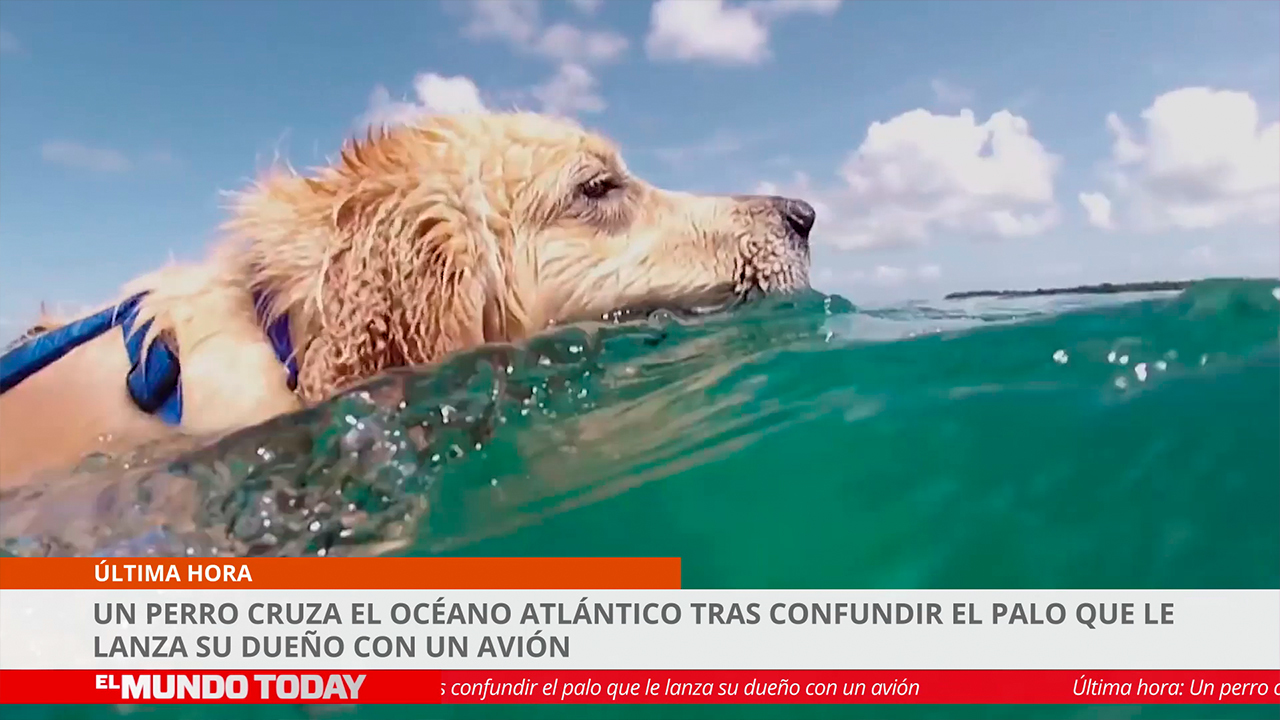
(451, 573)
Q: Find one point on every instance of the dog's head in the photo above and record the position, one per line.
(461, 230)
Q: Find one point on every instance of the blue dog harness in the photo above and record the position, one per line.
(154, 381)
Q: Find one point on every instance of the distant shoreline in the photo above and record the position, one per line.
(1099, 289)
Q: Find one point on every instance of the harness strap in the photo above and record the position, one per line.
(37, 353)
(155, 376)
(281, 338)
(154, 381)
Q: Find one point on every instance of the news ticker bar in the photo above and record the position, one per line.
(887, 687)
(171, 630)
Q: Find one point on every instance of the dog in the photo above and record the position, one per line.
(417, 242)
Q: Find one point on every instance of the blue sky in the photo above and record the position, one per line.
(947, 145)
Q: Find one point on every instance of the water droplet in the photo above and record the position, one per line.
(1122, 383)
(1161, 365)
(1124, 359)
(1111, 356)
(1141, 371)
(1275, 292)
(1060, 357)
(314, 526)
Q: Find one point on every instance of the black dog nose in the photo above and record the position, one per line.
(799, 215)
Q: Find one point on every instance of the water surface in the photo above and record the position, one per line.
(1123, 441)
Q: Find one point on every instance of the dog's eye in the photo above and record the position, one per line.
(598, 187)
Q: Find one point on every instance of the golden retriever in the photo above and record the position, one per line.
(417, 242)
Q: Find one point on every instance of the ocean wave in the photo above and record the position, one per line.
(915, 408)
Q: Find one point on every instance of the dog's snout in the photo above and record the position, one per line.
(798, 214)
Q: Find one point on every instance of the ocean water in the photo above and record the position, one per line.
(1128, 441)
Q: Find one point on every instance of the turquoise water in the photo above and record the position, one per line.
(1070, 442)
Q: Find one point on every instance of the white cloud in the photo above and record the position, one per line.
(434, 94)
(1098, 209)
(705, 30)
(9, 43)
(769, 10)
(519, 24)
(82, 157)
(441, 94)
(950, 94)
(1124, 150)
(920, 174)
(567, 43)
(515, 21)
(718, 32)
(1202, 160)
(572, 90)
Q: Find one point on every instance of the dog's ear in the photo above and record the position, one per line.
(390, 257)
(405, 283)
